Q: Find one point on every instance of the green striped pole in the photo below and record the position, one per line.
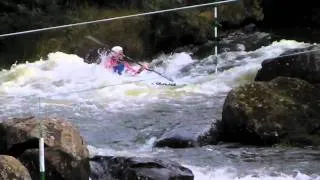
(41, 149)
(216, 35)
(215, 30)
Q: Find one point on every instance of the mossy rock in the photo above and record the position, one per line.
(284, 110)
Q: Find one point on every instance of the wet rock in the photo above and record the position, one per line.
(301, 63)
(204, 50)
(11, 168)
(94, 55)
(210, 136)
(250, 28)
(67, 151)
(134, 168)
(177, 139)
(284, 110)
(187, 136)
(248, 38)
(245, 39)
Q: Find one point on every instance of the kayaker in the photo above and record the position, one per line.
(116, 61)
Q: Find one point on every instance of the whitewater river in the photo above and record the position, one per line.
(124, 115)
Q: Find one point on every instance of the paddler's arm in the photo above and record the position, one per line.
(129, 68)
(132, 70)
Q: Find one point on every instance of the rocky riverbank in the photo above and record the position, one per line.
(67, 156)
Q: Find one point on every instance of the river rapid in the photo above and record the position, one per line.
(124, 115)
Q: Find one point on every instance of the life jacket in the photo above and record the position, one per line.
(111, 62)
(114, 61)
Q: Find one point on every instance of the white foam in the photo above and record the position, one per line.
(208, 173)
(67, 77)
(231, 173)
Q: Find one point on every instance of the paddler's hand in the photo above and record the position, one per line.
(145, 66)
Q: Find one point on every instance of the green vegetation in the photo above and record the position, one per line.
(72, 40)
(142, 37)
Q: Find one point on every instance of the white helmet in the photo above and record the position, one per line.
(117, 49)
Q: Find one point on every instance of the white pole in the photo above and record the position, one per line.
(216, 30)
(41, 148)
(41, 158)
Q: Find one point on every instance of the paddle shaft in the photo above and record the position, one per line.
(152, 70)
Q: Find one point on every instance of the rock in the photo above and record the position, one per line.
(134, 168)
(301, 64)
(284, 110)
(211, 136)
(11, 168)
(187, 136)
(59, 164)
(241, 40)
(178, 138)
(67, 151)
(250, 28)
(248, 39)
(92, 56)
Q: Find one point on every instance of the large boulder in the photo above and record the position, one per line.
(301, 63)
(11, 168)
(134, 168)
(284, 110)
(66, 152)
